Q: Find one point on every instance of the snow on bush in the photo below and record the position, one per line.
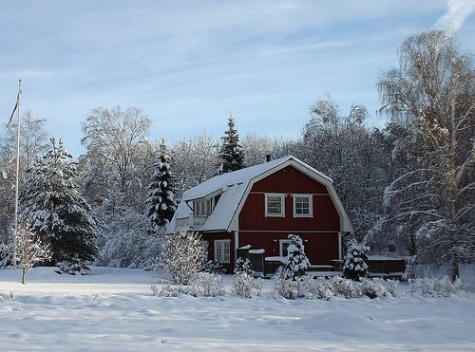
(72, 267)
(5, 255)
(183, 256)
(127, 241)
(355, 261)
(319, 288)
(243, 285)
(243, 265)
(374, 288)
(435, 287)
(206, 285)
(210, 285)
(344, 287)
(296, 262)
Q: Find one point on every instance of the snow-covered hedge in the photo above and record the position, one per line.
(435, 287)
(326, 289)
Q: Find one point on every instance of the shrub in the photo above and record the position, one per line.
(183, 256)
(435, 287)
(355, 261)
(211, 285)
(243, 284)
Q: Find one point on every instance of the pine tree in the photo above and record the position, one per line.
(51, 203)
(231, 152)
(355, 261)
(161, 196)
(296, 262)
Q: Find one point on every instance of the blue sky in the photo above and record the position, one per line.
(189, 63)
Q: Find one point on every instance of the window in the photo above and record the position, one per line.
(275, 205)
(202, 208)
(283, 246)
(222, 251)
(302, 205)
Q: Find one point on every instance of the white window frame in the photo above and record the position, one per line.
(282, 204)
(310, 205)
(222, 251)
(281, 247)
(202, 208)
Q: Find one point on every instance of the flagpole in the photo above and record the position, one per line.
(17, 182)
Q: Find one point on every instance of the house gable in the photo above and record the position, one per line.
(289, 183)
(234, 188)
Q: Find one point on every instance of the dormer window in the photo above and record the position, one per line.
(202, 208)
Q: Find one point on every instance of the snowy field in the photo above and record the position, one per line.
(114, 310)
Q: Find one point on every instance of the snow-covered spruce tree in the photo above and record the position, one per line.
(296, 262)
(30, 251)
(243, 266)
(183, 255)
(231, 152)
(355, 266)
(58, 215)
(161, 195)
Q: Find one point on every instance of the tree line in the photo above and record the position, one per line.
(410, 184)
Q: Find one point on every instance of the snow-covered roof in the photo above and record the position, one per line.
(233, 188)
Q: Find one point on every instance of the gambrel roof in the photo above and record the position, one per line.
(234, 187)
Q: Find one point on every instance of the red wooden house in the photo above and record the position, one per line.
(258, 207)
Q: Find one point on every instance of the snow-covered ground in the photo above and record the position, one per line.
(114, 310)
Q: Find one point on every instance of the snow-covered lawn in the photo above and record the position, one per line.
(114, 310)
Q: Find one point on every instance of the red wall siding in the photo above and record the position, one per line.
(320, 248)
(210, 237)
(289, 181)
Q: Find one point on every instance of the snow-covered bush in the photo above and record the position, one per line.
(435, 287)
(345, 287)
(355, 261)
(319, 288)
(30, 250)
(72, 267)
(243, 284)
(296, 262)
(173, 290)
(183, 256)
(127, 241)
(243, 265)
(214, 267)
(374, 288)
(5, 255)
(210, 285)
(284, 288)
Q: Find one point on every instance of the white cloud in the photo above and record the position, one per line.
(458, 11)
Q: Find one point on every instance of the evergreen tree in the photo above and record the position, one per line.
(51, 203)
(296, 262)
(161, 196)
(231, 152)
(355, 261)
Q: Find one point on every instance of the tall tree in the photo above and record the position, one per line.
(430, 100)
(119, 157)
(161, 191)
(51, 203)
(33, 143)
(194, 161)
(231, 150)
(343, 148)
